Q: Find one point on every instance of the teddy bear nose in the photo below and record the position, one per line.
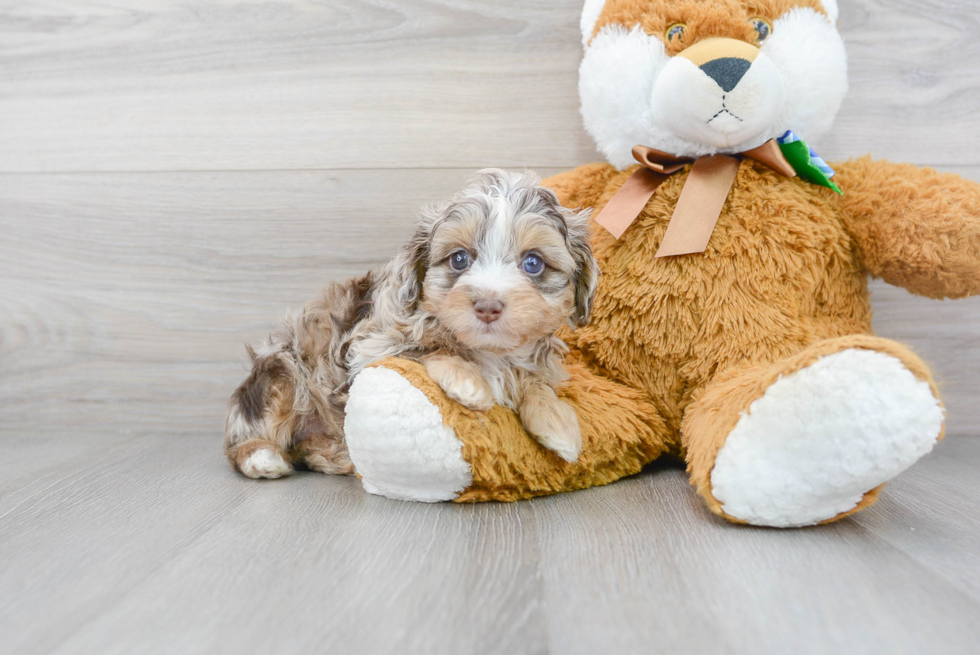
(487, 310)
(727, 71)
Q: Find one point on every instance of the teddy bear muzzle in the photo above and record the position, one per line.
(719, 92)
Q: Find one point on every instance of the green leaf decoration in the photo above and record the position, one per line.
(797, 153)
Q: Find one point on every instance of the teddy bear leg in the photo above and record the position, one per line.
(812, 438)
(408, 441)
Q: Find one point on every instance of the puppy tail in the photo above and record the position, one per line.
(258, 406)
(245, 410)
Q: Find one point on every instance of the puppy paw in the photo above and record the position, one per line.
(555, 426)
(472, 393)
(265, 463)
(461, 381)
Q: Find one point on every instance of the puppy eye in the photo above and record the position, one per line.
(675, 31)
(532, 264)
(762, 27)
(459, 260)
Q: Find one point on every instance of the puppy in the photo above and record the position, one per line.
(476, 296)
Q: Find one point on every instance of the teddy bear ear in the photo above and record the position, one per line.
(830, 6)
(590, 15)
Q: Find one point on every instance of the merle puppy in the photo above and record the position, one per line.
(476, 296)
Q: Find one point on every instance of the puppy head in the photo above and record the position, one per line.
(503, 264)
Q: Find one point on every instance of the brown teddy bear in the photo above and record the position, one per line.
(731, 326)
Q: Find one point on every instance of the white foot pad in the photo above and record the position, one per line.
(398, 442)
(819, 439)
(265, 463)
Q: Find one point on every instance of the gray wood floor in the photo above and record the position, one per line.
(125, 543)
(173, 175)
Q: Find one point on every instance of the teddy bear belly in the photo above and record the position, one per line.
(672, 339)
(773, 280)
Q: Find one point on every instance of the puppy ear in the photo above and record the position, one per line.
(415, 259)
(586, 276)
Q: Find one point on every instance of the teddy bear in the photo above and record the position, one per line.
(731, 327)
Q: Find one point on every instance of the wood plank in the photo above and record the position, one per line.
(94, 535)
(913, 82)
(643, 567)
(288, 84)
(160, 548)
(45, 458)
(163, 549)
(930, 513)
(295, 84)
(128, 297)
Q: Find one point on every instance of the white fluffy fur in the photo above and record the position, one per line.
(399, 443)
(809, 53)
(821, 438)
(798, 83)
(616, 79)
(688, 104)
(831, 8)
(590, 14)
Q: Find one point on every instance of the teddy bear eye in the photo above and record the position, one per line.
(675, 31)
(762, 27)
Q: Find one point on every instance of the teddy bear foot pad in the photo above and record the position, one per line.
(399, 443)
(820, 439)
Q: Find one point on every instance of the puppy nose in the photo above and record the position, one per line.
(488, 311)
(727, 71)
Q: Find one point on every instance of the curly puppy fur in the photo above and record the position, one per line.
(476, 296)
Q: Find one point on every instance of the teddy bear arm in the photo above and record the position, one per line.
(913, 227)
(580, 188)
(409, 441)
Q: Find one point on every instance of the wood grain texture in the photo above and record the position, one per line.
(152, 545)
(128, 297)
(155, 545)
(297, 84)
(662, 576)
(175, 174)
(288, 84)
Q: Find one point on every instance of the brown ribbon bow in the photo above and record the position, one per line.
(702, 197)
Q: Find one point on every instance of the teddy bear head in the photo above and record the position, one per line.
(702, 77)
